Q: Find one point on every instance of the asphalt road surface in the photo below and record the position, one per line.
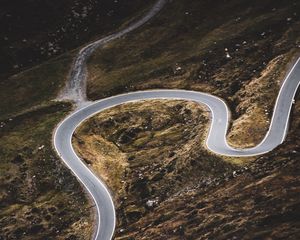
(216, 140)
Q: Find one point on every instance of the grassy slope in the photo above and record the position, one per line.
(186, 47)
(34, 31)
(39, 197)
(34, 86)
(157, 62)
(261, 38)
(258, 201)
(148, 152)
(42, 83)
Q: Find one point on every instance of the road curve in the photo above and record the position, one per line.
(216, 139)
(76, 91)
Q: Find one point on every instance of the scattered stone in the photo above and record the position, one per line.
(41, 147)
(152, 203)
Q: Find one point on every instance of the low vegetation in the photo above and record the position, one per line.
(40, 198)
(166, 185)
(35, 31)
(148, 152)
(259, 200)
(33, 87)
(237, 50)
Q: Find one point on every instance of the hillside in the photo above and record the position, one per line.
(166, 185)
(33, 31)
(40, 198)
(237, 50)
(164, 182)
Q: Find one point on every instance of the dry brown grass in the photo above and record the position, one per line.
(256, 103)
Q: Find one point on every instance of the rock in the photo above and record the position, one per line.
(18, 159)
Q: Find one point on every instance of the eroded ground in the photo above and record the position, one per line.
(258, 201)
(148, 152)
(237, 50)
(39, 197)
(166, 185)
(172, 188)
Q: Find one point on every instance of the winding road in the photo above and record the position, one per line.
(216, 139)
(76, 86)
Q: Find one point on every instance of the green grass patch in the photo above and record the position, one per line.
(34, 86)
